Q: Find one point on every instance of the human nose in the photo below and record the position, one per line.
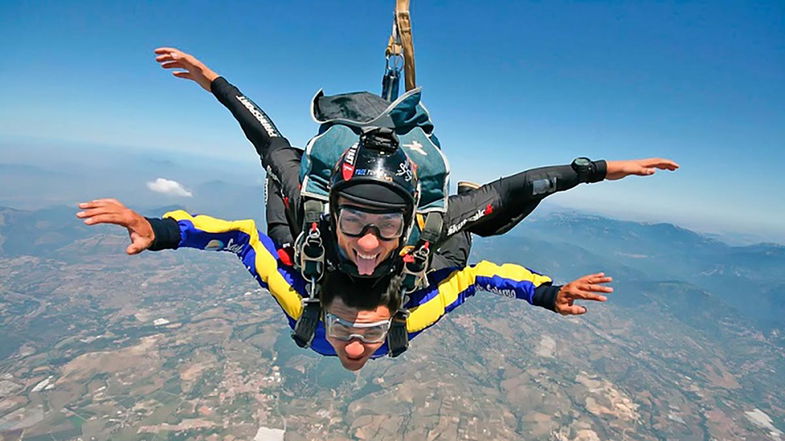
(369, 241)
(355, 348)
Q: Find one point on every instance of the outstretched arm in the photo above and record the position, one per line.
(258, 127)
(112, 211)
(450, 287)
(590, 287)
(512, 280)
(638, 167)
(192, 68)
(278, 157)
(180, 229)
(495, 208)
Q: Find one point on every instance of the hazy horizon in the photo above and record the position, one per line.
(126, 168)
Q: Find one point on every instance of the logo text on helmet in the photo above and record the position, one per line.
(374, 173)
(405, 171)
(347, 169)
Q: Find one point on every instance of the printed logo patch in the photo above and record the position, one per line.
(236, 248)
(506, 292)
(417, 147)
(214, 245)
(452, 229)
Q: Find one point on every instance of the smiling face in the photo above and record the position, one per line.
(368, 250)
(354, 353)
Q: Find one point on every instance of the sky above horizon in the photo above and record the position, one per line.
(510, 86)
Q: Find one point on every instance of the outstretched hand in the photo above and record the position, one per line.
(193, 69)
(584, 288)
(640, 167)
(111, 211)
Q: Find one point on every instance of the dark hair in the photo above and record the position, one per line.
(360, 292)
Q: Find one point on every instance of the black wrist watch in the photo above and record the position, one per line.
(584, 168)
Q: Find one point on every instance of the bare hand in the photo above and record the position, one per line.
(584, 288)
(111, 211)
(640, 167)
(193, 69)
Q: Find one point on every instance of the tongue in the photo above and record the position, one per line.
(365, 266)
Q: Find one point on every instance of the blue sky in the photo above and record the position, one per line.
(510, 85)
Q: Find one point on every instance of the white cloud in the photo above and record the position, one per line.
(169, 187)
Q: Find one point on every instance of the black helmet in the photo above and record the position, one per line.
(377, 173)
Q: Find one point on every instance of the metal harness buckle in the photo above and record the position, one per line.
(414, 268)
(310, 255)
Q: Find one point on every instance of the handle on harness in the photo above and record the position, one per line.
(391, 81)
(413, 277)
(305, 328)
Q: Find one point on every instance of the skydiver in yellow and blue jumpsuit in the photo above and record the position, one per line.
(448, 288)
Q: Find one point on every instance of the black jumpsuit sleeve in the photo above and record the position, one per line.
(495, 208)
(278, 157)
(257, 126)
(545, 296)
(167, 233)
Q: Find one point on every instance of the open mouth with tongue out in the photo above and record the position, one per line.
(366, 263)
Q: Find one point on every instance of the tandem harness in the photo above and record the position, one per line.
(342, 119)
(310, 255)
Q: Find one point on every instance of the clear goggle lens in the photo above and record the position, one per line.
(343, 330)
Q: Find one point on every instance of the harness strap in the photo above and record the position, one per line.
(305, 328)
(394, 48)
(309, 255)
(397, 337)
(414, 269)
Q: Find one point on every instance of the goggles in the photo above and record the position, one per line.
(355, 222)
(343, 330)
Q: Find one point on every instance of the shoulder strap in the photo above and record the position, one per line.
(309, 257)
(414, 271)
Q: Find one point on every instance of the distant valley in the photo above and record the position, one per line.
(183, 345)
